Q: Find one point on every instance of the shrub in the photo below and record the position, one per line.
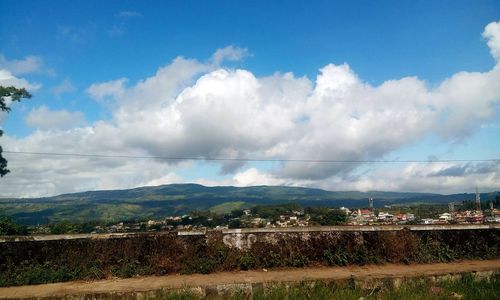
(247, 261)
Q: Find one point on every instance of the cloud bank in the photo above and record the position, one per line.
(195, 109)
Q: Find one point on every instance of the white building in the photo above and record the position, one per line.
(446, 217)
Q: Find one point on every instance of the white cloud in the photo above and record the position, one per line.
(45, 119)
(492, 34)
(252, 177)
(30, 64)
(432, 177)
(229, 53)
(66, 86)
(101, 91)
(7, 79)
(194, 109)
(443, 178)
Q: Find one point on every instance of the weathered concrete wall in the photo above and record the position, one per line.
(234, 233)
(244, 238)
(41, 259)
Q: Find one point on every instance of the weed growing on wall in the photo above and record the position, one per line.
(31, 262)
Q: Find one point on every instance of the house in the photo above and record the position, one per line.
(345, 210)
(281, 224)
(445, 217)
(362, 216)
(385, 217)
(474, 218)
(258, 221)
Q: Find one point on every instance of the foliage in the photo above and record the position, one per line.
(235, 223)
(326, 216)
(471, 204)
(228, 207)
(274, 211)
(248, 261)
(466, 287)
(62, 228)
(158, 254)
(13, 94)
(179, 199)
(9, 227)
(47, 272)
(336, 258)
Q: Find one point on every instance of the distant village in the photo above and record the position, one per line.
(299, 217)
(292, 215)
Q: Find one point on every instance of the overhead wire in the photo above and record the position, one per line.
(196, 158)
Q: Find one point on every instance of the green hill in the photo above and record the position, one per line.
(178, 199)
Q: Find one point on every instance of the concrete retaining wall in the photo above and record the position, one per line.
(249, 231)
(52, 258)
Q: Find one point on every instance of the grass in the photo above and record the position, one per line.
(467, 287)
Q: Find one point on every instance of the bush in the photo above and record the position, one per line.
(335, 258)
(9, 227)
(32, 262)
(247, 261)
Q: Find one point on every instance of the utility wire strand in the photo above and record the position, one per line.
(247, 159)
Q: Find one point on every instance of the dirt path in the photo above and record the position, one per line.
(289, 275)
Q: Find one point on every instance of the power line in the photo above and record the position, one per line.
(246, 159)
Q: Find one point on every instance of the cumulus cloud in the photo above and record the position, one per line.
(30, 64)
(42, 176)
(66, 86)
(8, 79)
(229, 53)
(445, 176)
(492, 34)
(103, 90)
(465, 169)
(194, 109)
(45, 119)
(252, 177)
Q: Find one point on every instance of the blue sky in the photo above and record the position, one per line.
(61, 49)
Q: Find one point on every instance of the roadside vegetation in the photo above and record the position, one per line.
(466, 288)
(35, 262)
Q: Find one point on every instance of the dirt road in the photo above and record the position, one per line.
(289, 275)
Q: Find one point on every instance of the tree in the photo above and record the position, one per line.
(326, 216)
(13, 94)
(235, 223)
(9, 227)
(335, 217)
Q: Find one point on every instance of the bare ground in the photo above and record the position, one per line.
(151, 283)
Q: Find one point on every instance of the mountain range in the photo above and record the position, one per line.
(153, 202)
